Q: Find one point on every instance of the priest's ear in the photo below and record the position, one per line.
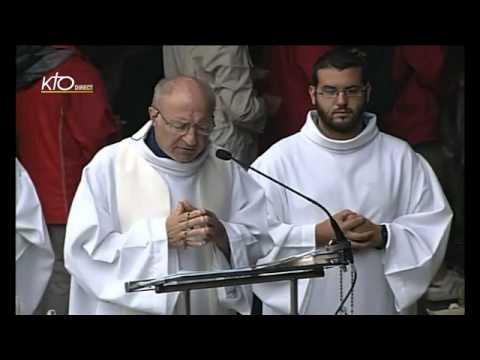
(153, 113)
(312, 90)
(368, 91)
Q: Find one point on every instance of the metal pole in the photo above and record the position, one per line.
(293, 297)
(187, 301)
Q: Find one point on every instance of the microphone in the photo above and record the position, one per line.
(339, 235)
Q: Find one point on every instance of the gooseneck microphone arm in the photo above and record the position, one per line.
(336, 228)
(226, 155)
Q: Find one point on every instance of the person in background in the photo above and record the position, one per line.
(58, 133)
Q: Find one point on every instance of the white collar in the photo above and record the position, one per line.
(312, 133)
(167, 165)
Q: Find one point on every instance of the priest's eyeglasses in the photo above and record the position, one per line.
(181, 128)
(331, 92)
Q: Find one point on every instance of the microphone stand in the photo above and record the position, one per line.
(340, 243)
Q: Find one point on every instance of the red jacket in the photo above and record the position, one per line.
(58, 134)
(290, 72)
(417, 72)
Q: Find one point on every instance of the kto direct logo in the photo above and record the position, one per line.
(64, 84)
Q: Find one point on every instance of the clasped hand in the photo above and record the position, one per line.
(190, 226)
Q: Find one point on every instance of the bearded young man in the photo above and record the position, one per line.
(385, 197)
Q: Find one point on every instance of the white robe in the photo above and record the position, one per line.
(34, 256)
(376, 175)
(116, 230)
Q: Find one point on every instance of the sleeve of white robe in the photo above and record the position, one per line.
(289, 239)
(101, 258)
(418, 239)
(34, 256)
(247, 231)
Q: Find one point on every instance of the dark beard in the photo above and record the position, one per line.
(344, 127)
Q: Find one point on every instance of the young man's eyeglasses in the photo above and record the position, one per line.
(182, 128)
(331, 92)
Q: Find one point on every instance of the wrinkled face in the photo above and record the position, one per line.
(340, 98)
(182, 122)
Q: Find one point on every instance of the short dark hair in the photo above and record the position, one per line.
(340, 58)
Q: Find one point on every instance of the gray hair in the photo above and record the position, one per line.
(166, 87)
